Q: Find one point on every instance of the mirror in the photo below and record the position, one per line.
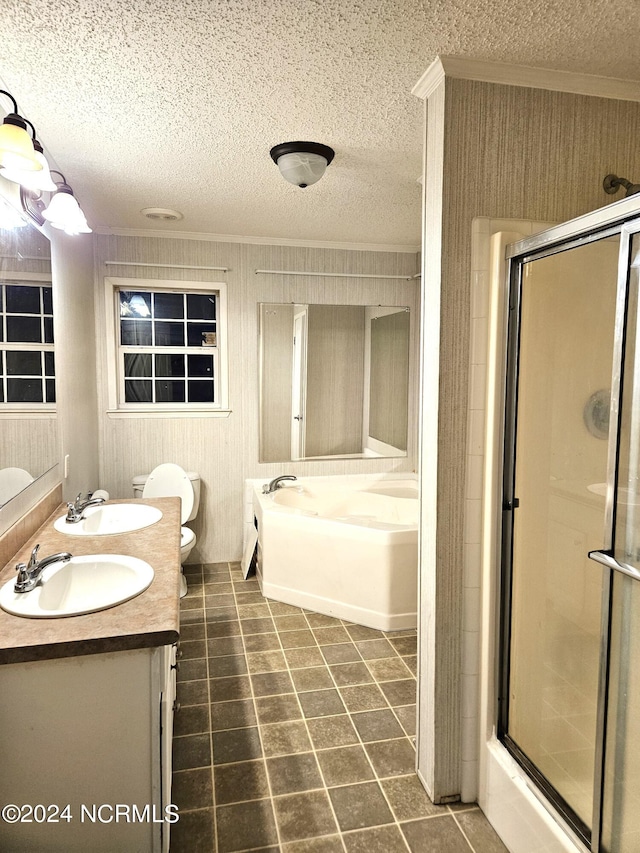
(29, 445)
(334, 381)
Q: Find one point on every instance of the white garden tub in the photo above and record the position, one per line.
(346, 546)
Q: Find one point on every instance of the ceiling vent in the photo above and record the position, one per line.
(162, 214)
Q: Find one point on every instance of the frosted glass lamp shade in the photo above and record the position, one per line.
(36, 181)
(302, 163)
(65, 213)
(302, 169)
(16, 147)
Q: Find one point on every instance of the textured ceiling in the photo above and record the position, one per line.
(176, 103)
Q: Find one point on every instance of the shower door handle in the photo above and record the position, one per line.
(297, 417)
(611, 563)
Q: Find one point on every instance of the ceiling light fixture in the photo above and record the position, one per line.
(302, 163)
(16, 146)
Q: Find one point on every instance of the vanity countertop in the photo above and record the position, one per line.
(150, 619)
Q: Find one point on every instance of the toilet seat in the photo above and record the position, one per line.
(187, 537)
(170, 480)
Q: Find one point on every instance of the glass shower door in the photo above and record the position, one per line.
(564, 304)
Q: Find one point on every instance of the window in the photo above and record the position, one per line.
(27, 361)
(169, 345)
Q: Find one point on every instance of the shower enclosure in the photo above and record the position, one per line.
(568, 705)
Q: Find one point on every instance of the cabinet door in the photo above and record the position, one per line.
(81, 731)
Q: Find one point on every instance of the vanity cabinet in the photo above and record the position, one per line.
(91, 732)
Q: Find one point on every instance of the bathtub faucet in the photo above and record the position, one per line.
(276, 483)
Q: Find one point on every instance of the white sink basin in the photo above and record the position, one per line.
(83, 585)
(110, 519)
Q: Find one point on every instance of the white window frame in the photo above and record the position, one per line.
(32, 409)
(115, 370)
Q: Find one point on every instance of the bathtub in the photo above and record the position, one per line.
(345, 546)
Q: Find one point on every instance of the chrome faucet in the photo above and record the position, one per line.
(75, 509)
(29, 575)
(276, 483)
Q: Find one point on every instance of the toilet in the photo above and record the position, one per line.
(169, 480)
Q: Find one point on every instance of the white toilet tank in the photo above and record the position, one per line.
(139, 481)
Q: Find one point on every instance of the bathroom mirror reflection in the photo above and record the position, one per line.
(334, 381)
(29, 438)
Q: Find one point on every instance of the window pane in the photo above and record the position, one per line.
(195, 332)
(24, 363)
(168, 391)
(48, 330)
(47, 301)
(50, 386)
(24, 391)
(201, 306)
(170, 365)
(135, 333)
(200, 365)
(168, 306)
(200, 391)
(49, 364)
(137, 365)
(135, 304)
(169, 334)
(23, 300)
(137, 391)
(24, 330)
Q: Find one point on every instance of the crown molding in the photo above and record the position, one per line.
(430, 80)
(521, 75)
(257, 241)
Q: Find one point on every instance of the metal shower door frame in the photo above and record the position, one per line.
(621, 218)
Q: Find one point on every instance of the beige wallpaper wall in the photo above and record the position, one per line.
(225, 450)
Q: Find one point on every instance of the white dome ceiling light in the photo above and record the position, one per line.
(302, 163)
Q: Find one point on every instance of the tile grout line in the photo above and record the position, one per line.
(213, 781)
(395, 822)
(464, 834)
(258, 727)
(305, 721)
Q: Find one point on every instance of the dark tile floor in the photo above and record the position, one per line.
(296, 733)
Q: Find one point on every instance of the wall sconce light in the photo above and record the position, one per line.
(612, 184)
(22, 161)
(63, 210)
(32, 180)
(16, 148)
(302, 163)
